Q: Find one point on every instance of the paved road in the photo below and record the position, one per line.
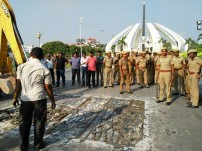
(166, 128)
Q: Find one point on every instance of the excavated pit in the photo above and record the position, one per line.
(118, 122)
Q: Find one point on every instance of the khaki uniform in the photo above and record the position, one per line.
(165, 68)
(187, 85)
(156, 65)
(108, 73)
(148, 68)
(194, 69)
(116, 72)
(126, 67)
(132, 70)
(137, 70)
(141, 63)
(151, 70)
(179, 74)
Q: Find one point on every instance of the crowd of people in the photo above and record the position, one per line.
(165, 68)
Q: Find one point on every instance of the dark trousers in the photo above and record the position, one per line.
(39, 108)
(52, 76)
(60, 72)
(84, 75)
(99, 73)
(76, 72)
(91, 73)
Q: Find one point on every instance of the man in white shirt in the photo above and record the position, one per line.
(33, 83)
(49, 63)
(84, 69)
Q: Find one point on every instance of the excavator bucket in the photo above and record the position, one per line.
(8, 84)
(9, 34)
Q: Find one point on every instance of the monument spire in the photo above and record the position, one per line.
(143, 27)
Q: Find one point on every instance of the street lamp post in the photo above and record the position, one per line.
(39, 37)
(80, 21)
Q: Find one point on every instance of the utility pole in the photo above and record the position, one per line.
(143, 28)
(80, 21)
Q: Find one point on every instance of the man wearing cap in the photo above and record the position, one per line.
(187, 85)
(33, 84)
(125, 72)
(171, 53)
(148, 56)
(116, 72)
(132, 62)
(156, 65)
(194, 69)
(108, 73)
(141, 65)
(136, 71)
(165, 76)
(179, 63)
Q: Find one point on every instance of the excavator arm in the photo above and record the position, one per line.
(9, 34)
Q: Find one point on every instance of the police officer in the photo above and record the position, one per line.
(156, 66)
(108, 73)
(125, 72)
(179, 63)
(131, 59)
(165, 76)
(141, 65)
(116, 72)
(148, 65)
(194, 66)
(135, 57)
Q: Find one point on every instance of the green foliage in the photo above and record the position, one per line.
(167, 45)
(122, 42)
(55, 47)
(183, 54)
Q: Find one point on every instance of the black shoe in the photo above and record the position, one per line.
(168, 103)
(79, 83)
(130, 92)
(188, 103)
(57, 86)
(159, 101)
(121, 92)
(105, 86)
(192, 106)
(72, 84)
(118, 83)
(175, 94)
(141, 87)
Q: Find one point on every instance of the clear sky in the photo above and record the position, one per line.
(58, 19)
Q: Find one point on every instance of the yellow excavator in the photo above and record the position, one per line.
(9, 35)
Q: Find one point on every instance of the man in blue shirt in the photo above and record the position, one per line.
(75, 63)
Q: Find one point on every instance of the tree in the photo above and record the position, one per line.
(55, 47)
(167, 45)
(189, 41)
(122, 42)
(199, 37)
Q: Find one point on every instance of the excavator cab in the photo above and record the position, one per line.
(9, 34)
